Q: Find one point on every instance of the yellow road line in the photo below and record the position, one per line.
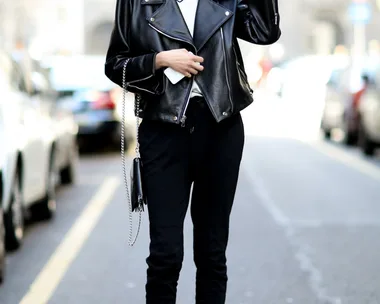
(51, 275)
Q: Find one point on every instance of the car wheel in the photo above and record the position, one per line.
(326, 133)
(350, 138)
(45, 209)
(68, 174)
(365, 143)
(14, 217)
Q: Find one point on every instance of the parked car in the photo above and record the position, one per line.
(369, 115)
(60, 119)
(30, 149)
(345, 91)
(91, 96)
(302, 84)
(28, 143)
(303, 76)
(334, 108)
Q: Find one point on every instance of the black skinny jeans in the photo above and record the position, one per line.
(207, 154)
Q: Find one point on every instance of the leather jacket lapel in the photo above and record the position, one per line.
(169, 21)
(210, 17)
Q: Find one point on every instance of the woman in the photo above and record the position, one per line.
(192, 132)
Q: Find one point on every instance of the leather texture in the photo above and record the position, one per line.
(138, 199)
(144, 28)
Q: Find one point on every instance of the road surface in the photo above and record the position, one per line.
(305, 228)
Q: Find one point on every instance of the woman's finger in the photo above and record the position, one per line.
(186, 73)
(197, 66)
(197, 58)
(193, 71)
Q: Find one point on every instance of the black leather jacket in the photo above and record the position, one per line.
(145, 27)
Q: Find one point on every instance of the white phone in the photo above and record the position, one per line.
(173, 75)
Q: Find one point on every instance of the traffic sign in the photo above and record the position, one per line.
(360, 12)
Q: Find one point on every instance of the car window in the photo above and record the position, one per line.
(11, 77)
(42, 86)
(39, 82)
(18, 80)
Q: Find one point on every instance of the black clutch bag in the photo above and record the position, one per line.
(135, 193)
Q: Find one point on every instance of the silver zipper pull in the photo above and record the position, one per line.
(183, 121)
(275, 18)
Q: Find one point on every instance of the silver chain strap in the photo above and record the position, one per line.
(131, 240)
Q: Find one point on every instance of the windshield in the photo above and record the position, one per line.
(82, 73)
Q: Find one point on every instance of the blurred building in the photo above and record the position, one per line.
(98, 24)
(309, 26)
(318, 26)
(84, 26)
(43, 26)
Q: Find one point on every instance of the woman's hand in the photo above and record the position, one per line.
(180, 60)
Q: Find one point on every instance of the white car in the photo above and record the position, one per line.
(29, 152)
(60, 119)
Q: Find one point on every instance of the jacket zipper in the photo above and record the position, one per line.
(183, 114)
(226, 69)
(171, 37)
(142, 89)
(275, 12)
(132, 86)
(133, 81)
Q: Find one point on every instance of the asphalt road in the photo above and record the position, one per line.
(305, 227)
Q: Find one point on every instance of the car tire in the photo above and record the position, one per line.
(68, 173)
(326, 133)
(366, 145)
(350, 139)
(14, 217)
(46, 208)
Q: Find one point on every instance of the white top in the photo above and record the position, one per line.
(189, 10)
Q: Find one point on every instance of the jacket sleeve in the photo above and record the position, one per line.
(258, 21)
(141, 74)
